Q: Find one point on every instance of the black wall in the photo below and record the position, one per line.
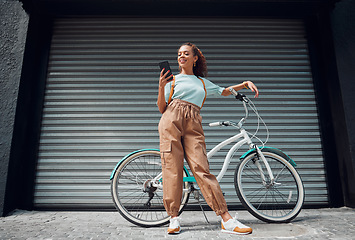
(24, 146)
(13, 29)
(343, 27)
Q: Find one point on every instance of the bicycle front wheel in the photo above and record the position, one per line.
(134, 197)
(278, 201)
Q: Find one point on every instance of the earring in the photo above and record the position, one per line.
(194, 64)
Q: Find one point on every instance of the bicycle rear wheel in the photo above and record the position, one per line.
(134, 198)
(280, 201)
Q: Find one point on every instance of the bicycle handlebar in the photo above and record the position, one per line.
(239, 96)
(246, 101)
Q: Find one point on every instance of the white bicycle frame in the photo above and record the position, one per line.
(245, 140)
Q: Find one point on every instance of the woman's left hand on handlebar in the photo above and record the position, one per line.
(252, 87)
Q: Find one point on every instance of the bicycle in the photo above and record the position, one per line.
(266, 181)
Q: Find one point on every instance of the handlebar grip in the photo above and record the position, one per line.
(215, 124)
(239, 96)
(234, 92)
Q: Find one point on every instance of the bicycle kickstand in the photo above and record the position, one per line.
(197, 197)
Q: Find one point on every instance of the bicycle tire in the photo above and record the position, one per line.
(273, 203)
(129, 197)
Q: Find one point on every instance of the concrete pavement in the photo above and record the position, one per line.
(337, 223)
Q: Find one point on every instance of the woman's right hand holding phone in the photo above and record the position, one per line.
(165, 78)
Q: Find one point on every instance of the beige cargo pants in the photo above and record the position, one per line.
(181, 136)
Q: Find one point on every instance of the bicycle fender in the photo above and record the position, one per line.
(141, 150)
(127, 156)
(272, 150)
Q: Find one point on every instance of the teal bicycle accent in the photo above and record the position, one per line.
(272, 150)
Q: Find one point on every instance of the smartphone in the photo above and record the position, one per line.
(165, 65)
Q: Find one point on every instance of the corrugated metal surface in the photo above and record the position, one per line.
(100, 101)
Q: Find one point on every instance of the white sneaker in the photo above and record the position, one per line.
(174, 226)
(235, 227)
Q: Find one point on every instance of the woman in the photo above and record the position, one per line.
(181, 136)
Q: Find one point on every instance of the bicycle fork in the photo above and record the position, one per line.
(261, 156)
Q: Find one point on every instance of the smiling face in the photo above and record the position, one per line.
(186, 58)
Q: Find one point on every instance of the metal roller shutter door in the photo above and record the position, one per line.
(100, 101)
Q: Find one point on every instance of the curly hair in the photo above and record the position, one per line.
(200, 69)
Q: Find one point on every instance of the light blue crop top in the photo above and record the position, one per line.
(189, 88)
